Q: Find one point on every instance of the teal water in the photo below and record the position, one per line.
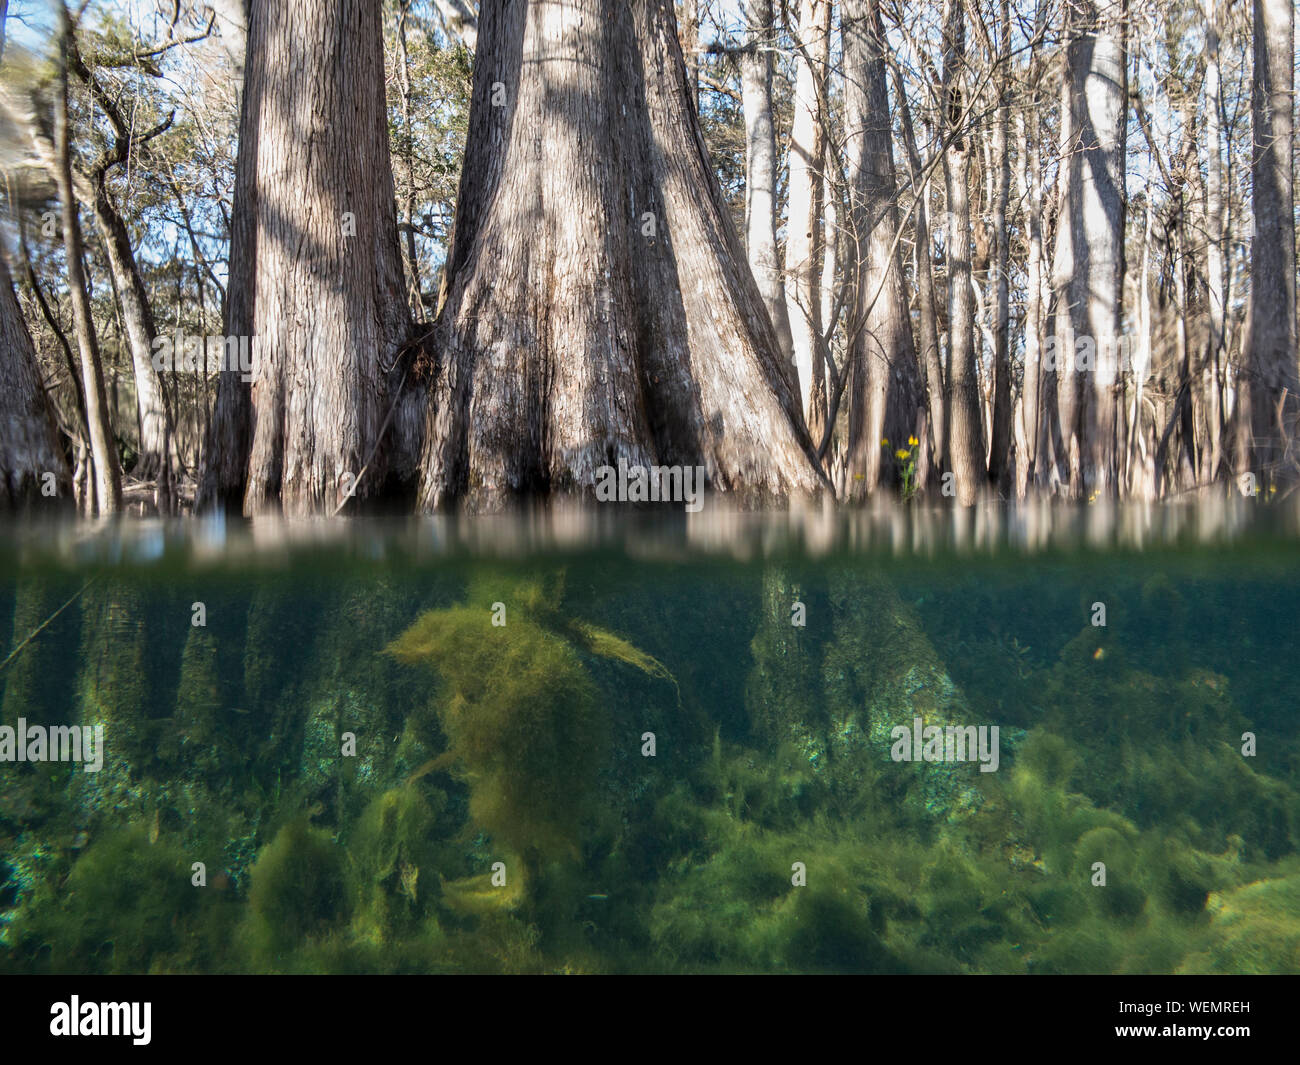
(646, 763)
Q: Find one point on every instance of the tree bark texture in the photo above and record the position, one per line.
(316, 276)
(599, 304)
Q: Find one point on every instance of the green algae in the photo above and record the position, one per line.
(298, 890)
(520, 716)
(128, 905)
(522, 744)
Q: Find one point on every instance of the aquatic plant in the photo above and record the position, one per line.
(395, 860)
(521, 743)
(128, 906)
(298, 890)
(1254, 929)
(522, 722)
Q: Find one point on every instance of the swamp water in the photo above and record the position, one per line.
(359, 760)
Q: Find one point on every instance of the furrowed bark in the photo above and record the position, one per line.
(599, 305)
(316, 277)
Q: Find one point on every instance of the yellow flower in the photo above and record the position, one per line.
(884, 442)
(900, 454)
(912, 441)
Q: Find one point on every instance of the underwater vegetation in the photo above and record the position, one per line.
(600, 767)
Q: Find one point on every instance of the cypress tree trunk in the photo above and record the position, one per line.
(137, 317)
(803, 245)
(108, 469)
(1000, 422)
(966, 432)
(599, 305)
(316, 275)
(1030, 422)
(927, 330)
(1090, 244)
(153, 417)
(1266, 422)
(886, 399)
(761, 166)
(1216, 242)
(223, 469)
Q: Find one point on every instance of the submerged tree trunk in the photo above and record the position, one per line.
(1268, 398)
(599, 306)
(761, 166)
(316, 278)
(886, 388)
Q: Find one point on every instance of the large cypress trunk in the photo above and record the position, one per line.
(599, 305)
(316, 279)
